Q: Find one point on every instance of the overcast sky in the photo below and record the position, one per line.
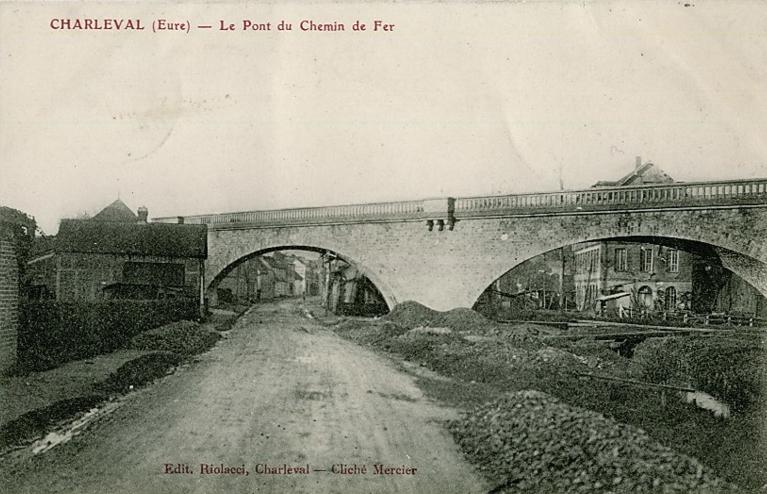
(460, 99)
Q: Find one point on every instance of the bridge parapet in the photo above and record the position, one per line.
(441, 213)
(350, 213)
(673, 195)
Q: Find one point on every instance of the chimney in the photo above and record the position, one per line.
(143, 214)
(638, 163)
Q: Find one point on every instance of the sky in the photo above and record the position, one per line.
(460, 99)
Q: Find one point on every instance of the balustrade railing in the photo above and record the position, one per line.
(644, 196)
(373, 211)
(604, 198)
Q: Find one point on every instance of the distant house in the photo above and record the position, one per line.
(642, 174)
(306, 277)
(252, 280)
(117, 254)
(17, 231)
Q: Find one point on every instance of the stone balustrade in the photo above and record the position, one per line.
(446, 211)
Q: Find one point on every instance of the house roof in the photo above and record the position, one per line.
(151, 239)
(14, 216)
(117, 211)
(644, 174)
(282, 271)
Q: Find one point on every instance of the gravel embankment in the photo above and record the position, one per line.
(530, 442)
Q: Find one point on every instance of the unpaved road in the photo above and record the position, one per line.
(280, 390)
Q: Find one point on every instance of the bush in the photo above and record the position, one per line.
(185, 338)
(140, 371)
(52, 333)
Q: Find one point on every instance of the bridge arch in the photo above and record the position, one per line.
(221, 272)
(742, 263)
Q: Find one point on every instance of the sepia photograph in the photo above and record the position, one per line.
(383, 247)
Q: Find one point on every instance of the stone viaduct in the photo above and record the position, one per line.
(444, 252)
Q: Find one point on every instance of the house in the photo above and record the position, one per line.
(642, 275)
(307, 280)
(118, 254)
(642, 174)
(620, 274)
(17, 231)
(283, 282)
(348, 291)
(252, 280)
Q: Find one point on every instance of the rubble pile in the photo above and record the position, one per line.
(531, 442)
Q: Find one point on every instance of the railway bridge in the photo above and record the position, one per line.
(444, 252)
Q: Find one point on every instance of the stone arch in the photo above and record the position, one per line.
(750, 269)
(380, 284)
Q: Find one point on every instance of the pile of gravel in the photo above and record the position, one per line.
(529, 442)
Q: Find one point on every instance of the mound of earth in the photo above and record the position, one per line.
(529, 441)
(411, 314)
(462, 319)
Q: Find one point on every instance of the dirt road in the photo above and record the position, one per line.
(281, 395)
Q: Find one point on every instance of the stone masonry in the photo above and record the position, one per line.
(450, 268)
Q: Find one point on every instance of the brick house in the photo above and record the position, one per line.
(118, 254)
(16, 234)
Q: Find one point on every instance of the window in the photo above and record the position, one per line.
(673, 261)
(671, 298)
(621, 261)
(645, 259)
(645, 296)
